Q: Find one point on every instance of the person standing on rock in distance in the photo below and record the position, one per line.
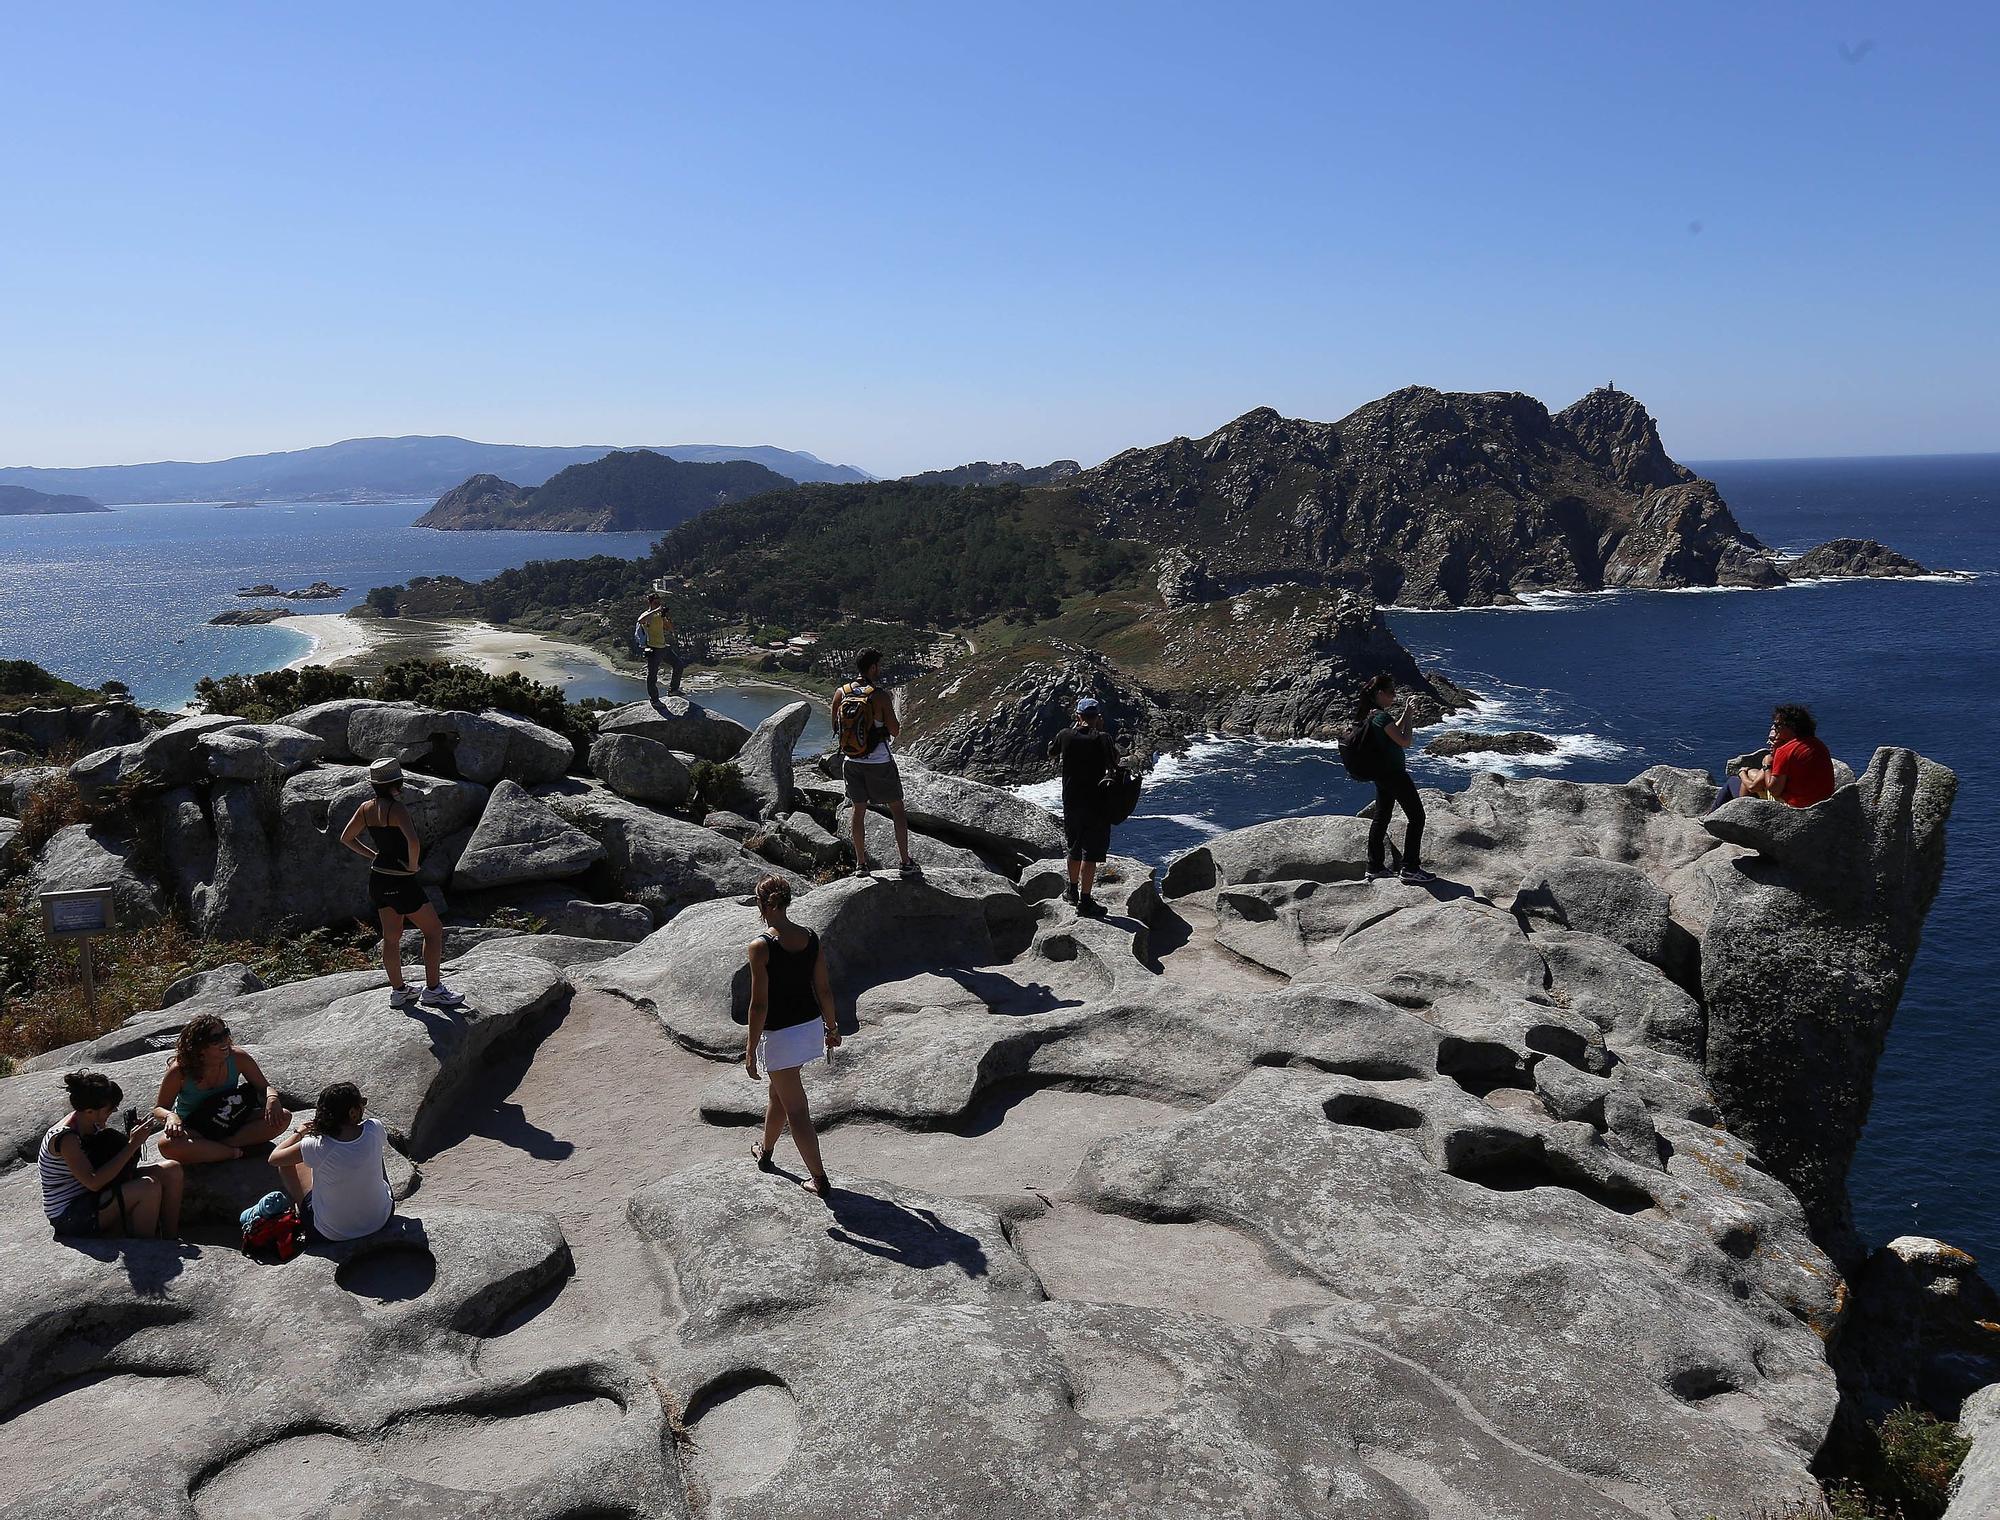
(333, 1167)
(86, 1198)
(1798, 769)
(653, 634)
(1390, 736)
(1087, 754)
(214, 1100)
(792, 1024)
(864, 724)
(392, 852)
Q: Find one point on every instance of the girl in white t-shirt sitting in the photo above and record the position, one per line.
(333, 1167)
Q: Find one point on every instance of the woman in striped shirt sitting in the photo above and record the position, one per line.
(82, 1198)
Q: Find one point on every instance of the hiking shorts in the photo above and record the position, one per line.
(399, 894)
(1088, 836)
(872, 783)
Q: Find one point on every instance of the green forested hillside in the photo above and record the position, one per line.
(936, 556)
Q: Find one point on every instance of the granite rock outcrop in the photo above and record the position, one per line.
(1275, 1192)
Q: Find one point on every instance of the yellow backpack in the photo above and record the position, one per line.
(854, 726)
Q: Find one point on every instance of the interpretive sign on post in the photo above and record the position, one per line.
(81, 914)
(78, 914)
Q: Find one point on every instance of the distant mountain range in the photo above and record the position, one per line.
(626, 491)
(382, 467)
(20, 501)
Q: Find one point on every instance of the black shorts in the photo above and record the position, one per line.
(1088, 836)
(399, 894)
(79, 1216)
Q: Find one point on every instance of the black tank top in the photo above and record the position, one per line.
(790, 973)
(392, 850)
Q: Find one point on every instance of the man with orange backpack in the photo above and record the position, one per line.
(864, 723)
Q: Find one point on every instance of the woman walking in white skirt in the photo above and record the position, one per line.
(792, 1024)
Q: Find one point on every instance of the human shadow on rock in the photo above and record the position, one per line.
(149, 1264)
(910, 1237)
(484, 1106)
(1003, 995)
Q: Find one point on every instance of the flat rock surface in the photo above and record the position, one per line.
(1277, 1194)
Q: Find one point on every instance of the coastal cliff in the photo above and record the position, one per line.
(1276, 1183)
(1428, 498)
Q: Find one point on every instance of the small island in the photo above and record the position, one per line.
(318, 591)
(248, 617)
(19, 501)
(235, 506)
(1518, 742)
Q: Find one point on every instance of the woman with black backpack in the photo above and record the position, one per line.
(1379, 740)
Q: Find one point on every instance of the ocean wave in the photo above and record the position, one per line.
(1185, 820)
(1572, 601)
(1568, 748)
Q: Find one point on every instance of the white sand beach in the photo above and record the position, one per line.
(339, 640)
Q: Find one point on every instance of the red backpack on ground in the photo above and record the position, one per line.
(272, 1230)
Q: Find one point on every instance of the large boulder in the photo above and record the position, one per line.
(248, 866)
(519, 839)
(533, 754)
(1925, 1330)
(328, 722)
(981, 816)
(260, 751)
(89, 726)
(464, 745)
(217, 983)
(679, 723)
(765, 761)
(1617, 901)
(167, 757)
(641, 769)
(1803, 963)
(693, 973)
(927, 850)
(665, 863)
(1329, 847)
(80, 856)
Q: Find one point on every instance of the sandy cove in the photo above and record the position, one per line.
(367, 644)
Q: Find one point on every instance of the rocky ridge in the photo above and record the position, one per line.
(1279, 662)
(1275, 1193)
(1427, 498)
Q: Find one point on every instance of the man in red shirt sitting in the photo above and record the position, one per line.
(1799, 768)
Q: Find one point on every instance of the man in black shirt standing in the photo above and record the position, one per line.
(1087, 755)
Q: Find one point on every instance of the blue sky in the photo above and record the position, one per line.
(908, 235)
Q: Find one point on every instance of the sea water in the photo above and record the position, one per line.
(127, 594)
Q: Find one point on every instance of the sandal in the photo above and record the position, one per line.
(819, 1185)
(762, 1157)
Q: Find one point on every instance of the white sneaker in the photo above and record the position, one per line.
(402, 997)
(442, 996)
